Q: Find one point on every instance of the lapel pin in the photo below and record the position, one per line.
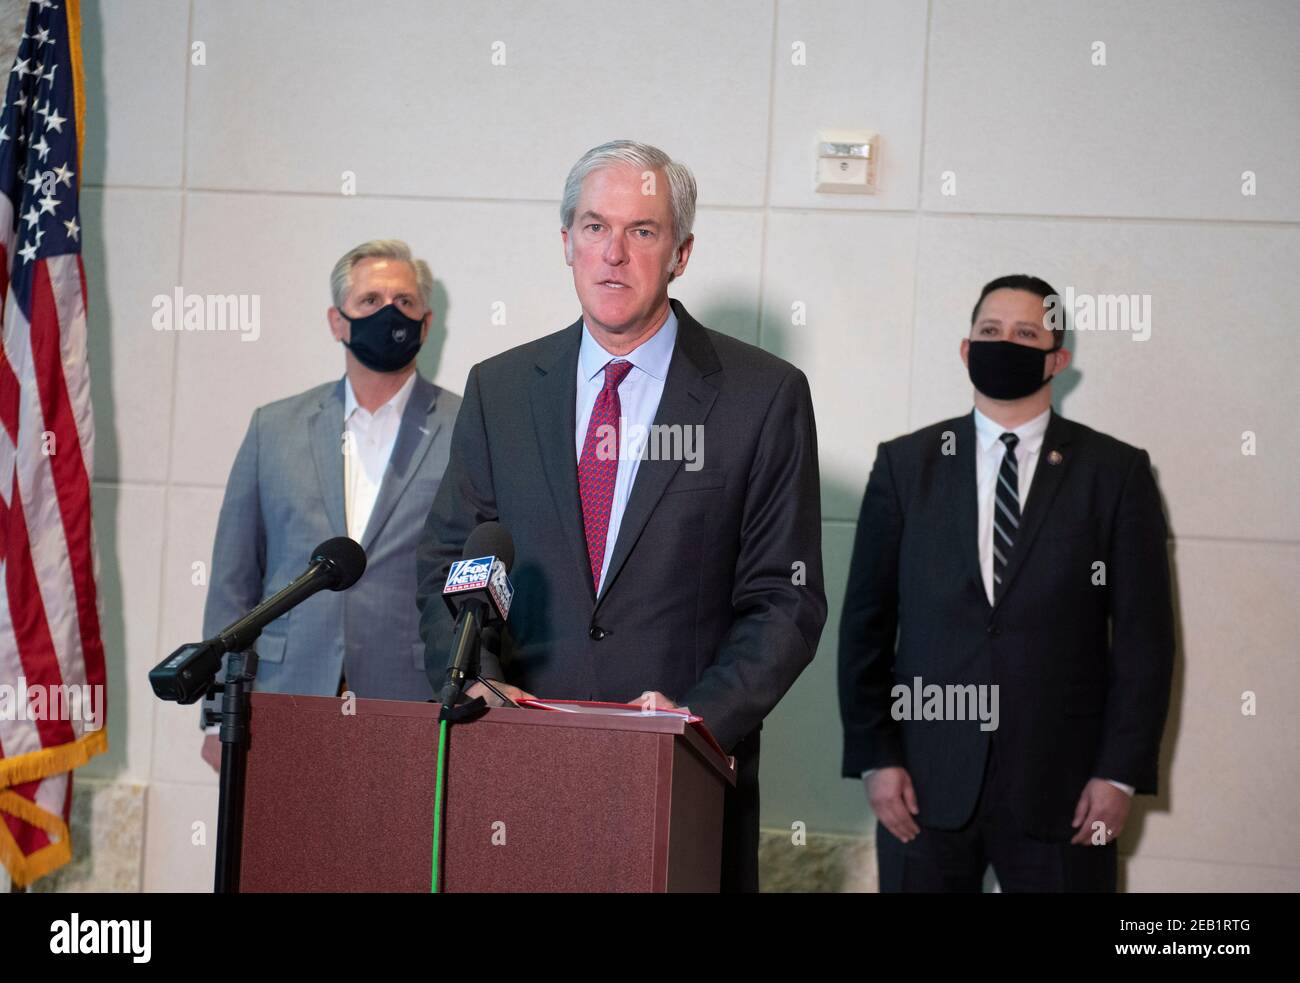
(1054, 457)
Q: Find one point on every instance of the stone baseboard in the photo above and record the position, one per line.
(107, 839)
(825, 863)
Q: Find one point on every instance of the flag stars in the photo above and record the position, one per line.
(32, 121)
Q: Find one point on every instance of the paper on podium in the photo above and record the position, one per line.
(628, 710)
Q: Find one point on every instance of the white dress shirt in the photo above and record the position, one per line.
(368, 445)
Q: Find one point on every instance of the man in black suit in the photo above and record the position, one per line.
(1016, 562)
(692, 578)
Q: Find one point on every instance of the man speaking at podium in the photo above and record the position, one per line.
(689, 578)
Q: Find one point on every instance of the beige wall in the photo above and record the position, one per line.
(225, 178)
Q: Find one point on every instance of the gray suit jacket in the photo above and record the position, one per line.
(284, 497)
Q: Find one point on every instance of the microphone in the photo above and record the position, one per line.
(478, 592)
(184, 676)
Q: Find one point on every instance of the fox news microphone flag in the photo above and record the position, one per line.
(51, 655)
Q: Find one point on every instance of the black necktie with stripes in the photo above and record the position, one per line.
(1006, 511)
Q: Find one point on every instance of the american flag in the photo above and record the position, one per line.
(49, 620)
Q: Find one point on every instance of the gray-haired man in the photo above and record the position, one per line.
(661, 580)
(360, 457)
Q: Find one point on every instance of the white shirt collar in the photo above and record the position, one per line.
(398, 400)
(652, 356)
(1030, 432)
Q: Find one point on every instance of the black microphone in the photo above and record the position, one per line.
(478, 592)
(184, 676)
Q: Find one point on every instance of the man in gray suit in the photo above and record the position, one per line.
(361, 457)
(691, 578)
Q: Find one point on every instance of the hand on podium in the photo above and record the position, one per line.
(654, 700)
(514, 693)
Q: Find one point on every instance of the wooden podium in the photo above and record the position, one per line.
(535, 800)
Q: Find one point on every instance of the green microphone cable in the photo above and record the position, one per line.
(437, 802)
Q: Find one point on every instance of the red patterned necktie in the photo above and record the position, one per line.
(598, 466)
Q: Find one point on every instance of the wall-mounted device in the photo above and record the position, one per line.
(846, 161)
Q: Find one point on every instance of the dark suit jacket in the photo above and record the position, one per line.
(703, 599)
(1083, 669)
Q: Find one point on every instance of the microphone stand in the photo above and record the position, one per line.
(234, 716)
(463, 665)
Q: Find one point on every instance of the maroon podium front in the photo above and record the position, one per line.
(535, 800)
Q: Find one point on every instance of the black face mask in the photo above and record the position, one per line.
(1005, 370)
(384, 341)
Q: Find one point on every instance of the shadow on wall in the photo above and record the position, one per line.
(1162, 801)
(802, 737)
(430, 357)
